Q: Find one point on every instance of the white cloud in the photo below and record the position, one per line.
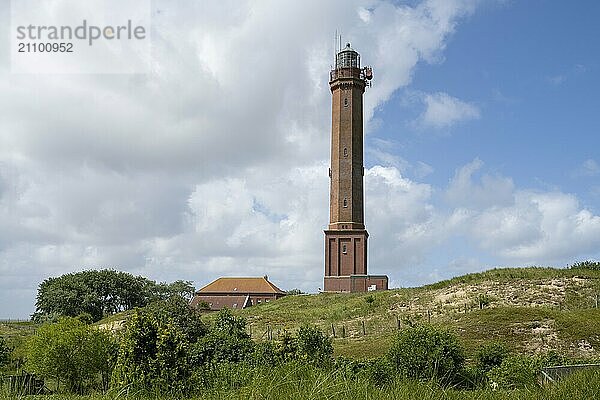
(463, 192)
(443, 111)
(589, 168)
(520, 226)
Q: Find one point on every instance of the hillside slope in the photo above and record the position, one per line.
(530, 309)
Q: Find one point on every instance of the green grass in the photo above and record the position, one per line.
(510, 274)
(302, 382)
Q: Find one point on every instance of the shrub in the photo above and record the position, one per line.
(186, 318)
(227, 341)
(153, 354)
(265, 354)
(426, 352)
(313, 345)
(380, 372)
(517, 371)
(287, 347)
(72, 351)
(4, 352)
(491, 355)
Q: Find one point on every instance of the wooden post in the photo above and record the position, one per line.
(333, 329)
(398, 321)
(343, 331)
(363, 328)
(428, 316)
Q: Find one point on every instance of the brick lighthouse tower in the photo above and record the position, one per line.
(346, 236)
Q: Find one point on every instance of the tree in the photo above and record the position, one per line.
(588, 264)
(179, 288)
(72, 351)
(426, 352)
(100, 293)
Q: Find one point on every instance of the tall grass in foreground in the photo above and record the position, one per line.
(294, 382)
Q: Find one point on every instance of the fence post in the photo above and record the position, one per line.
(363, 328)
(333, 329)
(428, 316)
(398, 321)
(343, 331)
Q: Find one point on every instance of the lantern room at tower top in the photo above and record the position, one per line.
(347, 65)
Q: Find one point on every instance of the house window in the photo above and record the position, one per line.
(345, 202)
(345, 152)
(344, 249)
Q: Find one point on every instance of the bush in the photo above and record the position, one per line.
(5, 352)
(72, 351)
(152, 355)
(265, 354)
(287, 347)
(426, 352)
(227, 341)
(517, 371)
(313, 345)
(186, 318)
(380, 372)
(491, 355)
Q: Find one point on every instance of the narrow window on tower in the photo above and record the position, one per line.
(345, 152)
(344, 249)
(346, 102)
(345, 202)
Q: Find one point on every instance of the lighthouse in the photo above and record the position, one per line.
(346, 236)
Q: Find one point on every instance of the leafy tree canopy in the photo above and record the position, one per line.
(101, 292)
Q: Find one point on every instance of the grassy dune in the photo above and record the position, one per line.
(531, 309)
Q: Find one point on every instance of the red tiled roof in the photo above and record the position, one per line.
(241, 285)
(219, 302)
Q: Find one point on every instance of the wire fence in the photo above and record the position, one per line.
(552, 374)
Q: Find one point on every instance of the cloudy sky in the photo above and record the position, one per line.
(482, 145)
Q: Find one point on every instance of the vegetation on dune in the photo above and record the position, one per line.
(457, 339)
(72, 352)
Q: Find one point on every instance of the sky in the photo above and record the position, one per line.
(481, 145)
